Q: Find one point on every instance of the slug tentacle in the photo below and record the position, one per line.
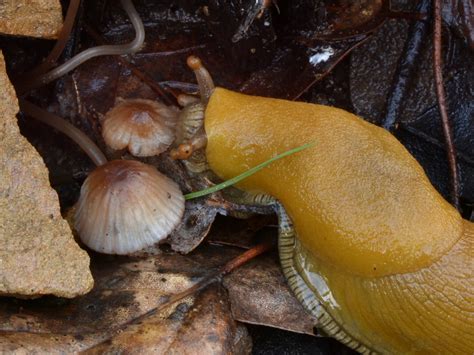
(204, 79)
(191, 136)
(191, 139)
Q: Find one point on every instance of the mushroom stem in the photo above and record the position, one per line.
(80, 58)
(89, 147)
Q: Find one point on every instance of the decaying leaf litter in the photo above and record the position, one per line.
(92, 89)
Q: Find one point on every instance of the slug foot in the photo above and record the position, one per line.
(288, 246)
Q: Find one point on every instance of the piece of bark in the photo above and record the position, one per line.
(32, 18)
(38, 254)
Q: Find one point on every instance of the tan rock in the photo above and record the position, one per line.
(38, 254)
(32, 18)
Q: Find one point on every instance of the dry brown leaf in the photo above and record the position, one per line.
(203, 325)
(126, 288)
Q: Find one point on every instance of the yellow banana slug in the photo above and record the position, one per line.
(390, 261)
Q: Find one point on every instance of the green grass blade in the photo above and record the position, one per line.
(246, 174)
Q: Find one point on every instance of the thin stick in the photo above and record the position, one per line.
(405, 68)
(441, 94)
(244, 258)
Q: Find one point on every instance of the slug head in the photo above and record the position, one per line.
(190, 130)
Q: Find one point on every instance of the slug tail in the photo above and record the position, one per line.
(427, 311)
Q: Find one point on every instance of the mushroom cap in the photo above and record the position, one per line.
(145, 127)
(125, 206)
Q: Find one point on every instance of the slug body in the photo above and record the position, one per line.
(390, 261)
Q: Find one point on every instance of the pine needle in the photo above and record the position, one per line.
(247, 173)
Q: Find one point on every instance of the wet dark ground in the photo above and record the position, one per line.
(268, 341)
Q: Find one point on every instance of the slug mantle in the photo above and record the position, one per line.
(359, 201)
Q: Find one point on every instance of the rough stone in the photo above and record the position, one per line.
(32, 18)
(38, 254)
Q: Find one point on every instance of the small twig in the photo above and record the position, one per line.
(244, 258)
(405, 68)
(253, 13)
(318, 77)
(441, 94)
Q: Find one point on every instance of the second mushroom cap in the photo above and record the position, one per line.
(145, 127)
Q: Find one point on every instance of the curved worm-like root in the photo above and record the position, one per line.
(74, 62)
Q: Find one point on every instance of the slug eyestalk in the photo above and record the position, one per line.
(191, 136)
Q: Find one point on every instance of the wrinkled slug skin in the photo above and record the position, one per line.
(397, 258)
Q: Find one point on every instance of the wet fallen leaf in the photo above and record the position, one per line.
(202, 326)
(126, 288)
(460, 15)
(373, 67)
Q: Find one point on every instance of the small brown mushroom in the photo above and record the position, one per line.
(145, 127)
(125, 206)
